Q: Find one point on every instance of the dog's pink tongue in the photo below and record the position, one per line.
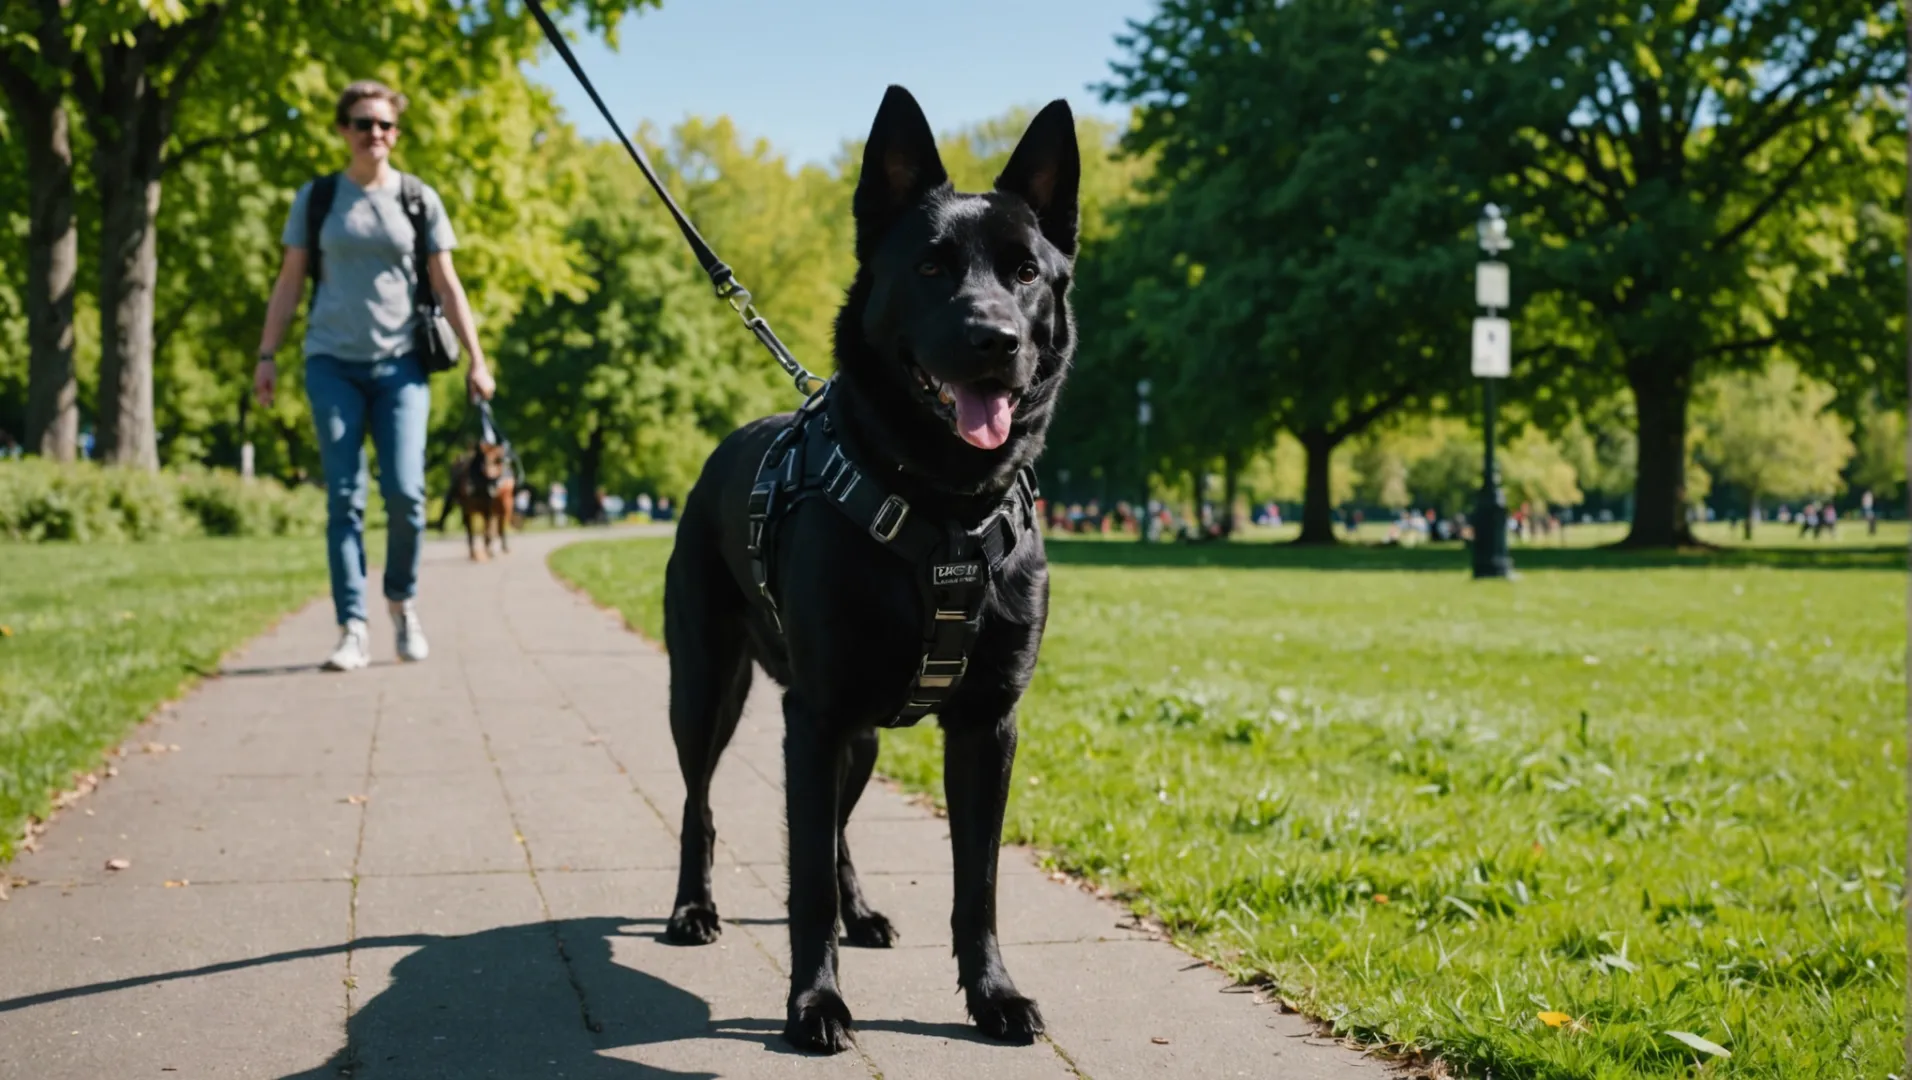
(982, 419)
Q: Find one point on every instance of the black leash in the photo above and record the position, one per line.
(490, 432)
(729, 289)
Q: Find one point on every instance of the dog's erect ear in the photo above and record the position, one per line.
(900, 161)
(1045, 172)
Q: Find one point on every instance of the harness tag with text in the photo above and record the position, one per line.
(962, 573)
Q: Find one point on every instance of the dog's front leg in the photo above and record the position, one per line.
(813, 764)
(978, 753)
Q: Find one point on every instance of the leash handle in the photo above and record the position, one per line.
(722, 278)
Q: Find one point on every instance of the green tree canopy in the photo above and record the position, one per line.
(1306, 253)
(1773, 432)
(1706, 186)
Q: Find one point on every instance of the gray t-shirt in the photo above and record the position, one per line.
(363, 310)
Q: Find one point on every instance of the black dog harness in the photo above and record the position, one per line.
(953, 565)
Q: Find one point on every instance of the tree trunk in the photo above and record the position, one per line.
(294, 472)
(33, 77)
(128, 133)
(128, 274)
(1231, 476)
(129, 110)
(1317, 507)
(590, 509)
(1661, 390)
(53, 406)
(1752, 512)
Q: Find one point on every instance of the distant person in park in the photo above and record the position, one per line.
(1870, 512)
(363, 373)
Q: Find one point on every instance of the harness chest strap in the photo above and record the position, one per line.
(954, 565)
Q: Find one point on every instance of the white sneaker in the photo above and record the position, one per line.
(354, 650)
(411, 632)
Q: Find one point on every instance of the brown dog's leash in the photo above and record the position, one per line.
(490, 432)
(722, 278)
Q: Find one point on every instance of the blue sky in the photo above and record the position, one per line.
(808, 75)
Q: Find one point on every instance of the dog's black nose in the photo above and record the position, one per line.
(993, 339)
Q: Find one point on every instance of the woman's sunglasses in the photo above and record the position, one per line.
(363, 124)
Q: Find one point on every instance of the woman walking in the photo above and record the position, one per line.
(363, 371)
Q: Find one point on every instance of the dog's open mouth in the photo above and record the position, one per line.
(979, 411)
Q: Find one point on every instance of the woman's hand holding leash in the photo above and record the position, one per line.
(265, 382)
(478, 380)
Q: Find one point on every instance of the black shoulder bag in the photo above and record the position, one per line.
(432, 338)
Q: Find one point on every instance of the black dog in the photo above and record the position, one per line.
(951, 347)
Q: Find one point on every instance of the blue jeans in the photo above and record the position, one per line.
(393, 399)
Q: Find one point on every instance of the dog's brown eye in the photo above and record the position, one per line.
(1027, 273)
(928, 268)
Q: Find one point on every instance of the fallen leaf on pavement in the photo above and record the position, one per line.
(355, 800)
(180, 884)
(1159, 1041)
(159, 748)
(119, 864)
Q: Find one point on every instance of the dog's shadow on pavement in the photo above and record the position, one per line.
(538, 999)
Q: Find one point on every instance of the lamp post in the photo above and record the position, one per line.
(1143, 414)
(1493, 351)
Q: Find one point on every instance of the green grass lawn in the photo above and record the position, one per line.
(96, 636)
(1650, 793)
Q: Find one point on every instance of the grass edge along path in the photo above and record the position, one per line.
(98, 637)
(1636, 815)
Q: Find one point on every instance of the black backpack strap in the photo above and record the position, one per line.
(411, 195)
(318, 204)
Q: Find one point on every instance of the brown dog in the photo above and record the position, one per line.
(481, 486)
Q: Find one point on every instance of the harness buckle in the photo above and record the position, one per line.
(838, 476)
(939, 674)
(892, 505)
(762, 500)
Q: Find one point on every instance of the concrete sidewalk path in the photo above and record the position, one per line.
(461, 869)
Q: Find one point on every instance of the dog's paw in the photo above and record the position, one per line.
(820, 1022)
(1011, 1018)
(693, 924)
(871, 931)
